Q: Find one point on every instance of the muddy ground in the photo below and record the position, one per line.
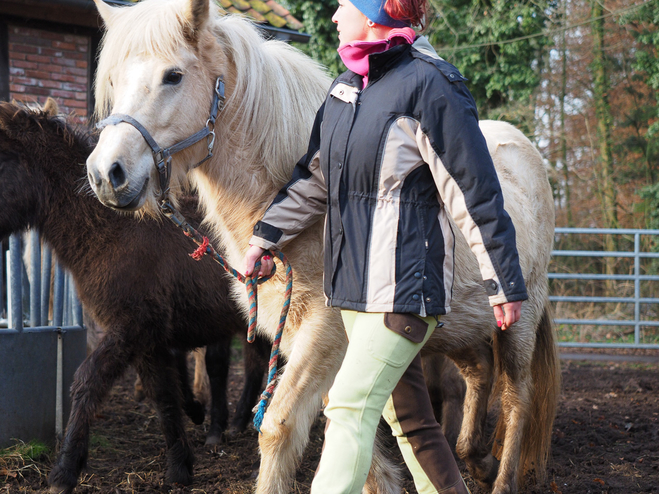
(606, 440)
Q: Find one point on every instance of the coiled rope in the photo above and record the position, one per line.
(251, 282)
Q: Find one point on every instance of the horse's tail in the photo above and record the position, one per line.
(546, 378)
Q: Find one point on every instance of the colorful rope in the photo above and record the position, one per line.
(205, 248)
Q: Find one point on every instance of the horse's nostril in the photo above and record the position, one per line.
(93, 179)
(117, 175)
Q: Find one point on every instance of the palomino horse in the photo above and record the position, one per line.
(135, 280)
(162, 65)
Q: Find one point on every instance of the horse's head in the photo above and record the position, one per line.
(150, 69)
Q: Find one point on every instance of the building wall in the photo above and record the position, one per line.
(48, 63)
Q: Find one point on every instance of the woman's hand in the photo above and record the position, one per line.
(253, 254)
(507, 314)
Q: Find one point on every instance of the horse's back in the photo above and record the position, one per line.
(527, 194)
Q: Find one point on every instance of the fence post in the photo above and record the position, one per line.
(16, 283)
(35, 282)
(46, 270)
(637, 288)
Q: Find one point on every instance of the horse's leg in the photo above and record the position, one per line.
(91, 384)
(255, 357)
(191, 407)
(476, 365)
(447, 392)
(218, 358)
(515, 403)
(314, 360)
(158, 371)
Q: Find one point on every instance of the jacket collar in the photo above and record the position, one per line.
(379, 64)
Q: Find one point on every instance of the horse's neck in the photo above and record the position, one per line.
(232, 208)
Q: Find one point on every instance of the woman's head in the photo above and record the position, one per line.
(368, 20)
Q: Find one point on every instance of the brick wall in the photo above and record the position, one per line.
(47, 63)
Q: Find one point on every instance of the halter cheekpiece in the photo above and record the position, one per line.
(162, 158)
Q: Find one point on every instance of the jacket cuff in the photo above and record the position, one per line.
(263, 243)
(502, 298)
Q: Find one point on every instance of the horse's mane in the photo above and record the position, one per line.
(276, 90)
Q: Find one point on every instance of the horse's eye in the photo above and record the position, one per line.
(172, 77)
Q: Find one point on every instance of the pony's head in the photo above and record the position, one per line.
(150, 68)
(37, 149)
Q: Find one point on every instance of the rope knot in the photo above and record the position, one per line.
(201, 250)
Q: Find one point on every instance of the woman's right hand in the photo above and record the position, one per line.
(253, 254)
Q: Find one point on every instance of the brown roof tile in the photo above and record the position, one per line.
(277, 9)
(258, 17)
(293, 23)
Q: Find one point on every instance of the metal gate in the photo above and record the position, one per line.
(40, 348)
(636, 305)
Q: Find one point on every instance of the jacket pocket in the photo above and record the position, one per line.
(406, 325)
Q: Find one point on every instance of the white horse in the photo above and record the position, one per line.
(160, 63)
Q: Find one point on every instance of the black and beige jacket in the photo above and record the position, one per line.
(387, 164)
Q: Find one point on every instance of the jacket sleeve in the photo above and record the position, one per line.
(452, 144)
(299, 203)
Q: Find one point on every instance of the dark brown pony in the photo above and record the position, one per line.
(136, 280)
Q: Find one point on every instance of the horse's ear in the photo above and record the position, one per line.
(196, 14)
(107, 13)
(51, 108)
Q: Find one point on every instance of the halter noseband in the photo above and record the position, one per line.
(162, 158)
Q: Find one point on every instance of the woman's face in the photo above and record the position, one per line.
(350, 23)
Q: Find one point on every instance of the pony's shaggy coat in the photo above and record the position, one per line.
(273, 92)
(134, 278)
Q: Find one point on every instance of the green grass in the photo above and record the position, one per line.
(33, 451)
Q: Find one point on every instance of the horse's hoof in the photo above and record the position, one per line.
(61, 481)
(484, 471)
(215, 439)
(196, 411)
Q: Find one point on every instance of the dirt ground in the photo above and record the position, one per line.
(606, 440)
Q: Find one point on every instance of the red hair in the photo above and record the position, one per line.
(412, 11)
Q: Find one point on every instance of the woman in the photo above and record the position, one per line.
(395, 148)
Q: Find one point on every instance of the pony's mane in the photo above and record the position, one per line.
(276, 87)
(19, 122)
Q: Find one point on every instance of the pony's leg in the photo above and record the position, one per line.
(192, 408)
(447, 393)
(476, 365)
(314, 360)
(218, 358)
(201, 386)
(138, 389)
(255, 356)
(158, 371)
(91, 384)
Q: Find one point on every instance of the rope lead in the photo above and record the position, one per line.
(205, 248)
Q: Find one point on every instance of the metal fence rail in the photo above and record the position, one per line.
(636, 277)
(39, 353)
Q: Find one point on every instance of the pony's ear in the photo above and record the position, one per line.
(107, 13)
(51, 108)
(196, 14)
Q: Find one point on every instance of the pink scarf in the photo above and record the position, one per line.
(355, 54)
